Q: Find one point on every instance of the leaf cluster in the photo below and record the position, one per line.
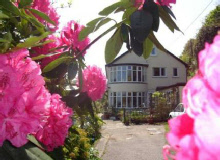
(135, 29)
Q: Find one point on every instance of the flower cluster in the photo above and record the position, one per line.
(26, 105)
(194, 135)
(94, 82)
(45, 7)
(165, 2)
(53, 133)
(69, 37)
(139, 3)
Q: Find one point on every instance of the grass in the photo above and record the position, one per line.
(166, 127)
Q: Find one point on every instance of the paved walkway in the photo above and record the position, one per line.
(135, 142)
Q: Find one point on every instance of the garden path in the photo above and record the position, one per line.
(134, 142)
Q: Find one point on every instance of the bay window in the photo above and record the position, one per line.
(127, 99)
(128, 74)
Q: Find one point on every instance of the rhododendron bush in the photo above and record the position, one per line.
(195, 135)
(44, 81)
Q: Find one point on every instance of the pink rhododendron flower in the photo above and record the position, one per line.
(70, 34)
(165, 2)
(195, 135)
(139, 3)
(23, 97)
(54, 132)
(94, 82)
(45, 7)
(47, 48)
(209, 64)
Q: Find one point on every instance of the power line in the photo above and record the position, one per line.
(192, 22)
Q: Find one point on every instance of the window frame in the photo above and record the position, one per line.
(177, 72)
(132, 73)
(160, 72)
(139, 96)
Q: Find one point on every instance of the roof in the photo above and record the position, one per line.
(159, 88)
(125, 53)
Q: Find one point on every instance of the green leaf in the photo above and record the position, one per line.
(29, 42)
(156, 42)
(80, 77)
(72, 70)
(168, 10)
(89, 28)
(168, 20)
(113, 46)
(32, 139)
(102, 22)
(56, 63)
(43, 16)
(6, 4)
(106, 11)
(148, 46)
(4, 40)
(24, 3)
(4, 46)
(28, 151)
(3, 16)
(128, 12)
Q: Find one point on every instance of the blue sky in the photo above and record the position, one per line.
(186, 11)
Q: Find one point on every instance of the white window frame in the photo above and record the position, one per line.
(141, 95)
(153, 50)
(160, 72)
(177, 70)
(115, 70)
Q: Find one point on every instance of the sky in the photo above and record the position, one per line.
(190, 15)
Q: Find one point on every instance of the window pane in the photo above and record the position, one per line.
(134, 76)
(163, 71)
(123, 76)
(114, 101)
(119, 102)
(118, 67)
(118, 76)
(134, 99)
(156, 71)
(175, 73)
(129, 67)
(139, 76)
(139, 102)
(124, 101)
(134, 68)
(129, 102)
(129, 75)
(114, 76)
(124, 68)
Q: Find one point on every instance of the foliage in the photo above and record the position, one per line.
(78, 146)
(161, 110)
(189, 57)
(206, 33)
(139, 20)
(138, 117)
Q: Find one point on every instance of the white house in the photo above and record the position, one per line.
(133, 79)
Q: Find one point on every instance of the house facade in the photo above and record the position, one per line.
(132, 80)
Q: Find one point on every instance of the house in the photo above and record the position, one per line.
(132, 79)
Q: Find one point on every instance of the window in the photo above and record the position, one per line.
(175, 72)
(159, 72)
(127, 99)
(128, 74)
(153, 53)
